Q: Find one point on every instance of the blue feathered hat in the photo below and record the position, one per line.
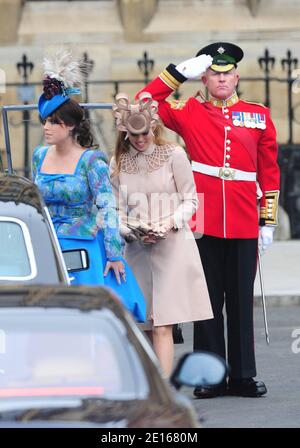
(61, 74)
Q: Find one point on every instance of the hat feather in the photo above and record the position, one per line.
(64, 68)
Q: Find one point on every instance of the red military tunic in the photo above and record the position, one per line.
(212, 139)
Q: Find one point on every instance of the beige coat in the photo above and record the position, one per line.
(155, 184)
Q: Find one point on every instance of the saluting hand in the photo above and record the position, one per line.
(195, 67)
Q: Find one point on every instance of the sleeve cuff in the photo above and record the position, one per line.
(268, 214)
(114, 258)
(172, 77)
(178, 222)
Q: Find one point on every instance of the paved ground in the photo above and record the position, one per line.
(281, 268)
(277, 364)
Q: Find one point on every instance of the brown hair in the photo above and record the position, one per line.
(123, 144)
(71, 114)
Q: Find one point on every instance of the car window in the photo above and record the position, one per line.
(51, 352)
(17, 260)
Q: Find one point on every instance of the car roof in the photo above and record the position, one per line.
(18, 195)
(85, 298)
(20, 199)
(18, 189)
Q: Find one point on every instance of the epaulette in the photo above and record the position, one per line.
(177, 104)
(256, 104)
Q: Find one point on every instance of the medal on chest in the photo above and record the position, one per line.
(249, 120)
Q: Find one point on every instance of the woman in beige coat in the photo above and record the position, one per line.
(154, 186)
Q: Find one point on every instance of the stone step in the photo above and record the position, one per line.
(66, 22)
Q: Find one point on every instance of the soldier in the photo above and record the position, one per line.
(232, 146)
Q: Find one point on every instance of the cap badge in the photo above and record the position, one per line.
(221, 50)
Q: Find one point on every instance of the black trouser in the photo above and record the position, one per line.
(229, 266)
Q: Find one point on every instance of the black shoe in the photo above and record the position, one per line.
(210, 391)
(246, 387)
(177, 334)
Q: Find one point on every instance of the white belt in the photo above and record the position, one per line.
(223, 172)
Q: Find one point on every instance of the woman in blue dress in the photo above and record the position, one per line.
(72, 175)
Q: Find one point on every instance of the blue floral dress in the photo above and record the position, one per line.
(83, 211)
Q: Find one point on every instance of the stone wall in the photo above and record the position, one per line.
(10, 15)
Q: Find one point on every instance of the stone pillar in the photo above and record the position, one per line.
(10, 14)
(135, 15)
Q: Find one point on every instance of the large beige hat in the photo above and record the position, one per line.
(135, 118)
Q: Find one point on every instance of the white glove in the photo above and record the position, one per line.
(265, 238)
(195, 67)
